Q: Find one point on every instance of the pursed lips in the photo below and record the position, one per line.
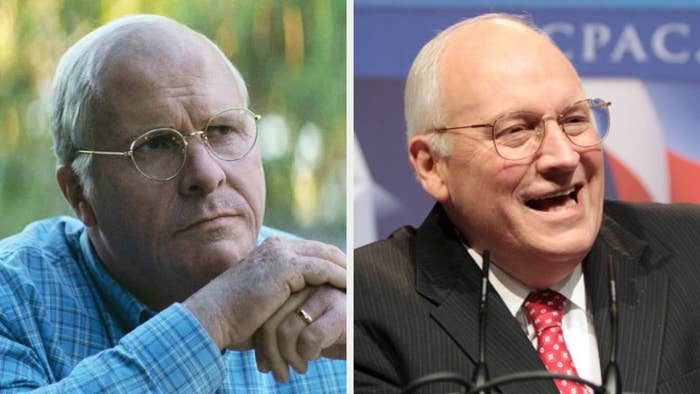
(208, 219)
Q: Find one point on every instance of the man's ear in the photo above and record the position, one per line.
(72, 190)
(426, 162)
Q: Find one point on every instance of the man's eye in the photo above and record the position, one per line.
(513, 130)
(572, 119)
(221, 130)
(158, 143)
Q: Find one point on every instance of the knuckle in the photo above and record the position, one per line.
(285, 330)
(335, 296)
(276, 252)
(336, 251)
(311, 338)
(273, 245)
(273, 241)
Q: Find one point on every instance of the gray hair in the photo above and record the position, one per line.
(77, 94)
(422, 106)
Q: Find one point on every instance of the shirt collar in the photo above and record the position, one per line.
(513, 292)
(127, 308)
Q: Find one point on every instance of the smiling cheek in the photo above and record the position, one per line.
(595, 179)
(482, 202)
(573, 237)
(506, 204)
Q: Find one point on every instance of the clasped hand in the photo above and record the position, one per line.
(253, 305)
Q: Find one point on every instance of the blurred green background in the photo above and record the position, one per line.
(291, 54)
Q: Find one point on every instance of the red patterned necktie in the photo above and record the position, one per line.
(545, 310)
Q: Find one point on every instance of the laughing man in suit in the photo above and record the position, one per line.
(501, 135)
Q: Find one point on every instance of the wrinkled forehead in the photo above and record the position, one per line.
(163, 75)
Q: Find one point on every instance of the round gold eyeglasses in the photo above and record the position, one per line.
(160, 154)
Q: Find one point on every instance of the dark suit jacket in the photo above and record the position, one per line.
(416, 297)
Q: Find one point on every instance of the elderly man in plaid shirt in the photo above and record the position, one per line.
(168, 282)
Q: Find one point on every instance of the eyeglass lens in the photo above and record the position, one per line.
(161, 153)
(231, 134)
(519, 135)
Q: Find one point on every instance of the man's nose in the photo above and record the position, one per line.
(202, 172)
(557, 153)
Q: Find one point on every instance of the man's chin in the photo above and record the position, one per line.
(215, 255)
(216, 235)
(226, 251)
(563, 247)
(209, 266)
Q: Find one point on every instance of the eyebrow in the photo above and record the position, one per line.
(129, 137)
(556, 112)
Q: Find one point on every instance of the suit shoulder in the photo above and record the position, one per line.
(387, 261)
(396, 245)
(653, 208)
(677, 224)
(653, 213)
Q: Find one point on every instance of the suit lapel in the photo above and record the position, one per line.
(641, 295)
(447, 275)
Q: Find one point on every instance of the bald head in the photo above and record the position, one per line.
(149, 46)
(463, 64)
(496, 55)
(122, 58)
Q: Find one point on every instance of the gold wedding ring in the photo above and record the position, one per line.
(304, 316)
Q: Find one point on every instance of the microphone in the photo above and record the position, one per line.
(480, 384)
(481, 375)
(611, 378)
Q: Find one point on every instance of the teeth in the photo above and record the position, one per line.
(558, 194)
(568, 204)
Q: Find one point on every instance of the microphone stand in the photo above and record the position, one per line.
(611, 378)
(480, 384)
(481, 374)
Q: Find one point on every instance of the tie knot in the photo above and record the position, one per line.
(545, 309)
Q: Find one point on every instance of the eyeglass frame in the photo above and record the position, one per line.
(184, 136)
(539, 134)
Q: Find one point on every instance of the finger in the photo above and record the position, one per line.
(336, 351)
(287, 336)
(266, 339)
(328, 252)
(316, 272)
(266, 355)
(310, 248)
(318, 302)
(260, 359)
(327, 330)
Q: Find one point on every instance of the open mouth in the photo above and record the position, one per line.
(556, 201)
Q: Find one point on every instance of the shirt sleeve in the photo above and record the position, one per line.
(170, 353)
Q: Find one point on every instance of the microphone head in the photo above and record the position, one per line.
(486, 263)
(611, 379)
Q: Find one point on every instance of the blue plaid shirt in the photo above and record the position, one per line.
(67, 326)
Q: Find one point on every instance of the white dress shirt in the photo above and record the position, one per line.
(577, 324)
